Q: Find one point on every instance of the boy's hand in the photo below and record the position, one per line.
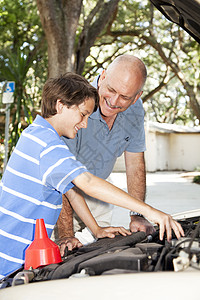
(70, 243)
(111, 232)
(166, 224)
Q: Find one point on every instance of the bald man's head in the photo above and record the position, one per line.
(120, 86)
(131, 64)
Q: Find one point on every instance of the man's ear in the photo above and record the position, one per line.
(102, 77)
(59, 106)
(137, 97)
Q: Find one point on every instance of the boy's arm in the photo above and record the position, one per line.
(78, 203)
(73, 199)
(103, 190)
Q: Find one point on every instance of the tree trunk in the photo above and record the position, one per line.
(60, 20)
(102, 13)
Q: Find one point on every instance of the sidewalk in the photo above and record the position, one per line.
(171, 192)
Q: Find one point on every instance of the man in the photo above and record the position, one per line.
(116, 127)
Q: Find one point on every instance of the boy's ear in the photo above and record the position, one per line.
(59, 106)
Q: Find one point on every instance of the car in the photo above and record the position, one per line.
(139, 266)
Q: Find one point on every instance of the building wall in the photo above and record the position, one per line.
(169, 151)
(184, 151)
(157, 154)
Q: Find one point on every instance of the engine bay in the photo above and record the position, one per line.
(136, 253)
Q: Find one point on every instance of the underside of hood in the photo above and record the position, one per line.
(185, 13)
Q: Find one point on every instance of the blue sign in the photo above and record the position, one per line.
(10, 87)
(8, 94)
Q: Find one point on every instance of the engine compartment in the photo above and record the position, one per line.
(151, 255)
(137, 253)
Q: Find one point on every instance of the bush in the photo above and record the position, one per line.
(196, 179)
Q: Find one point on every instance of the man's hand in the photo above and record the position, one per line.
(139, 223)
(111, 232)
(70, 243)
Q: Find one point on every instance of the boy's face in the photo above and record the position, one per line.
(71, 119)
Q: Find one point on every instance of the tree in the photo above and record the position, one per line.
(78, 32)
(84, 36)
(21, 60)
(71, 32)
(171, 55)
(15, 67)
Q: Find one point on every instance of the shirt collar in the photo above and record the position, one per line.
(42, 122)
(95, 81)
(96, 115)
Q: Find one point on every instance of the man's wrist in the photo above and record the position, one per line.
(133, 213)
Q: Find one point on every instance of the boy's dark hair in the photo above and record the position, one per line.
(71, 89)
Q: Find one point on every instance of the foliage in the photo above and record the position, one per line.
(196, 179)
(96, 32)
(103, 30)
(170, 54)
(20, 23)
(15, 67)
(23, 59)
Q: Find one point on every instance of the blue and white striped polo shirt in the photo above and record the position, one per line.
(39, 171)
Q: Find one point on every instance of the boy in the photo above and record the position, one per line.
(42, 168)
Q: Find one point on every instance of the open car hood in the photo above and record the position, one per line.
(185, 13)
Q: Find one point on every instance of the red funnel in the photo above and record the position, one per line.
(42, 251)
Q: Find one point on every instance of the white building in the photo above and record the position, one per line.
(169, 147)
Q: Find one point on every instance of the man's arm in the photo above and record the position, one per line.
(136, 185)
(65, 225)
(65, 220)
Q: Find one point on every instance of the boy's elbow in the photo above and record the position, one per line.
(83, 181)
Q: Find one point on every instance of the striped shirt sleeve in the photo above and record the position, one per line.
(59, 167)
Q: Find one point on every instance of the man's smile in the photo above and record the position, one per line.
(110, 105)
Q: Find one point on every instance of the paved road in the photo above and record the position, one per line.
(171, 192)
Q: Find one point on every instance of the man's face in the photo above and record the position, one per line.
(117, 91)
